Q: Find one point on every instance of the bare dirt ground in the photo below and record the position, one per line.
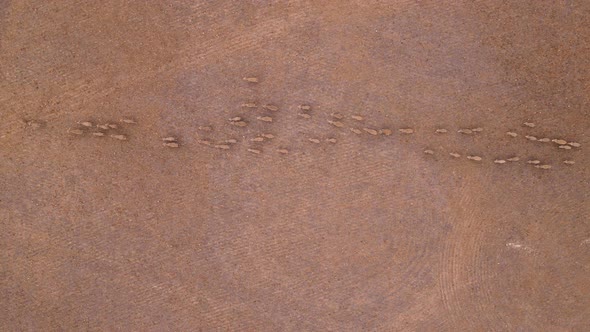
(314, 221)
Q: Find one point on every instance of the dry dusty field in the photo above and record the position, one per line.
(331, 165)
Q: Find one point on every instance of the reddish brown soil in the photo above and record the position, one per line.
(365, 233)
